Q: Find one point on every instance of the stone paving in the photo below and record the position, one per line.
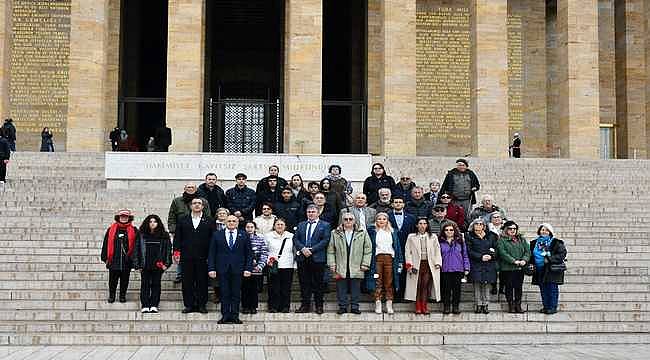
(558, 352)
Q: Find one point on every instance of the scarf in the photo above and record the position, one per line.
(541, 249)
(112, 231)
(187, 198)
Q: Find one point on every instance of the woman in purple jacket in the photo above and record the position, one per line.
(455, 266)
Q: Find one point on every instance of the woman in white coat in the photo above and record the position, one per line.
(423, 262)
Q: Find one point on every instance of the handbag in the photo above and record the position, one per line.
(275, 267)
(529, 269)
(561, 267)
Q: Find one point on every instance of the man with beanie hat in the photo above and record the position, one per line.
(462, 183)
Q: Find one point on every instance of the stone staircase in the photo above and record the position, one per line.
(53, 287)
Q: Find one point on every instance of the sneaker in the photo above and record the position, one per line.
(153, 309)
(145, 310)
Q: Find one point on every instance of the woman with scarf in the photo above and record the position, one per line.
(455, 266)
(386, 264)
(423, 262)
(250, 286)
(117, 253)
(514, 253)
(548, 255)
(482, 251)
(153, 255)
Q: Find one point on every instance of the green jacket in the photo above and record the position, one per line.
(360, 252)
(179, 208)
(509, 251)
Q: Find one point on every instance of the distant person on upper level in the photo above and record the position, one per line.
(114, 136)
(486, 208)
(378, 179)
(384, 203)
(126, 142)
(10, 133)
(47, 141)
(163, 138)
(5, 155)
(515, 147)
(434, 191)
(463, 184)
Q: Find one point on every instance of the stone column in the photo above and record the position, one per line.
(111, 87)
(185, 62)
(303, 73)
(577, 29)
(631, 79)
(4, 59)
(375, 75)
(491, 78)
(399, 122)
(88, 57)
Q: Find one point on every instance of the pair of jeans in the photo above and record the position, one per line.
(351, 286)
(384, 283)
(550, 294)
(150, 288)
(513, 281)
(279, 288)
(481, 293)
(450, 287)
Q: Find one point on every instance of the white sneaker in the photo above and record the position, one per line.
(145, 310)
(389, 307)
(153, 309)
(378, 307)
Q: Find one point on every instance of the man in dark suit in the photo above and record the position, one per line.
(310, 242)
(163, 138)
(230, 257)
(404, 223)
(191, 245)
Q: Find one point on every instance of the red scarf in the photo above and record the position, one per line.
(130, 230)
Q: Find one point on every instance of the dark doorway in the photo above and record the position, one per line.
(143, 68)
(244, 74)
(344, 76)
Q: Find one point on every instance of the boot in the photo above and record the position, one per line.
(377, 306)
(418, 307)
(455, 309)
(446, 309)
(511, 307)
(425, 308)
(111, 297)
(518, 308)
(389, 307)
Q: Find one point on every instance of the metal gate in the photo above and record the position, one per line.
(244, 126)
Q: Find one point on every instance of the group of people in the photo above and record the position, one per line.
(121, 140)
(392, 241)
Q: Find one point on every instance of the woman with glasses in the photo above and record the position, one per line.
(455, 212)
(281, 265)
(387, 263)
(349, 254)
(455, 266)
(482, 250)
(250, 286)
(514, 253)
(423, 262)
(548, 254)
(265, 221)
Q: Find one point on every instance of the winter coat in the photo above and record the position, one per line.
(381, 207)
(180, 208)
(121, 261)
(456, 213)
(336, 202)
(5, 149)
(141, 258)
(163, 137)
(360, 253)
(481, 212)
(509, 251)
(412, 256)
(289, 211)
(274, 244)
(372, 184)
(263, 184)
(241, 199)
(47, 145)
(482, 271)
(194, 244)
(448, 184)
(260, 252)
(454, 256)
(10, 131)
(557, 256)
(398, 261)
(419, 208)
(368, 213)
(216, 197)
(405, 193)
(266, 196)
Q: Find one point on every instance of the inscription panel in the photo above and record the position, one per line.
(515, 72)
(38, 84)
(444, 53)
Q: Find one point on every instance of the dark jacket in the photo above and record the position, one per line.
(47, 144)
(372, 184)
(194, 244)
(10, 131)
(448, 184)
(5, 149)
(141, 257)
(399, 190)
(408, 226)
(180, 207)
(557, 256)
(381, 207)
(223, 259)
(121, 261)
(215, 197)
(319, 240)
(266, 196)
(419, 208)
(482, 271)
(163, 137)
(263, 184)
(241, 200)
(289, 211)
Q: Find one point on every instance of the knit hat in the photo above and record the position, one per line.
(548, 227)
(508, 224)
(462, 161)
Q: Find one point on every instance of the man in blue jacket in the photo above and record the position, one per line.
(310, 242)
(230, 256)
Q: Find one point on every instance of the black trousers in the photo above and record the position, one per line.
(230, 291)
(3, 171)
(122, 276)
(280, 289)
(310, 275)
(195, 283)
(249, 289)
(150, 287)
(450, 287)
(513, 281)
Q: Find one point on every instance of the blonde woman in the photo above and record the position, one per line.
(423, 263)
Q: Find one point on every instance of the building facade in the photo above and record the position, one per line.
(393, 77)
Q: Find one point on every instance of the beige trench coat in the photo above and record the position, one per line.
(412, 256)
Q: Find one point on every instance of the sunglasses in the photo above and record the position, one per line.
(348, 219)
(445, 197)
(266, 208)
(449, 229)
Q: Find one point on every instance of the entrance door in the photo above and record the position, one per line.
(607, 141)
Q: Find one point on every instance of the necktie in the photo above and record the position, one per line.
(231, 240)
(309, 233)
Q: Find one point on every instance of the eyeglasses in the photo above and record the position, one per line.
(445, 197)
(348, 219)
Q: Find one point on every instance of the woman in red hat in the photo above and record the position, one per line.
(117, 253)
